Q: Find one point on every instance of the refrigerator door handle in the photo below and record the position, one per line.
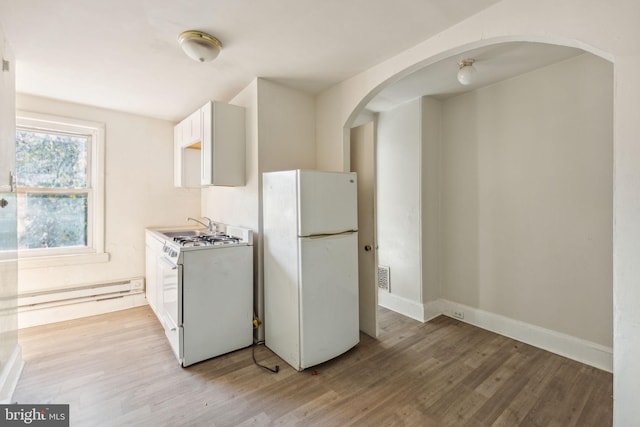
(329, 235)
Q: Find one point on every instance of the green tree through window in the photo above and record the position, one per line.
(53, 178)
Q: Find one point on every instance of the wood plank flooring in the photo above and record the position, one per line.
(118, 370)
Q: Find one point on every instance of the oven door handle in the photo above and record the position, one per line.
(168, 262)
(169, 323)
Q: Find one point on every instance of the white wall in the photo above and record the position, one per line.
(139, 193)
(408, 205)
(280, 135)
(608, 29)
(287, 128)
(398, 201)
(430, 181)
(527, 198)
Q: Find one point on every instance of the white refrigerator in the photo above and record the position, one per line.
(310, 242)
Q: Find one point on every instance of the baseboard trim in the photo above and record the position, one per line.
(432, 309)
(46, 315)
(402, 305)
(10, 375)
(587, 352)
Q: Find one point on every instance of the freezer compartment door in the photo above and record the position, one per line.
(327, 202)
(328, 297)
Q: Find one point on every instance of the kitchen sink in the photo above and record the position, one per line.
(185, 233)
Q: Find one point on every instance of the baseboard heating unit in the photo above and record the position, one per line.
(55, 305)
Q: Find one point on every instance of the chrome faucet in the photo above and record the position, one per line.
(211, 226)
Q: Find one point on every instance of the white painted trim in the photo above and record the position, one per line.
(63, 296)
(432, 309)
(96, 191)
(588, 352)
(402, 305)
(59, 313)
(10, 375)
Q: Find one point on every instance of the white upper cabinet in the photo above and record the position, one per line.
(209, 147)
(223, 147)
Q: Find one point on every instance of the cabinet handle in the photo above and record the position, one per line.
(367, 248)
(3, 203)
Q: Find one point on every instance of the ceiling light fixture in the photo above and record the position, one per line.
(466, 71)
(199, 46)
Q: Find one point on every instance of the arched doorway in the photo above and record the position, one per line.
(469, 283)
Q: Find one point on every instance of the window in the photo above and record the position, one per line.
(60, 185)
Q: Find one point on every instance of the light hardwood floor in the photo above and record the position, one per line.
(117, 370)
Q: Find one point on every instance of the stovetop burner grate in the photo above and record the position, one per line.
(205, 240)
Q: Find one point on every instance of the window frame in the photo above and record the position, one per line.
(95, 250)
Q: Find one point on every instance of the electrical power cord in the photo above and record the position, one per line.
(275, 369)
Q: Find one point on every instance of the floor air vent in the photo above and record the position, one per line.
(383, 278)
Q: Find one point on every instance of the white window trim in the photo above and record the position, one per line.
(95, 252)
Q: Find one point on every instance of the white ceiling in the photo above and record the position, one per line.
(124, 55)
(492, 63)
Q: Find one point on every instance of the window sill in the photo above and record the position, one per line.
(61, 260)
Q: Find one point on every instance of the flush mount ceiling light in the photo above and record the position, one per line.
(199, 46)
(466, 72)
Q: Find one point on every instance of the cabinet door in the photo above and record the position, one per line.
(223, 144)
(153, 252)
(186, 159)
(177, 158)
(192, 129)
(150, 273)
(206, 149)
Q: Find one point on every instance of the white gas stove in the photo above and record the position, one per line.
(206, 280)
